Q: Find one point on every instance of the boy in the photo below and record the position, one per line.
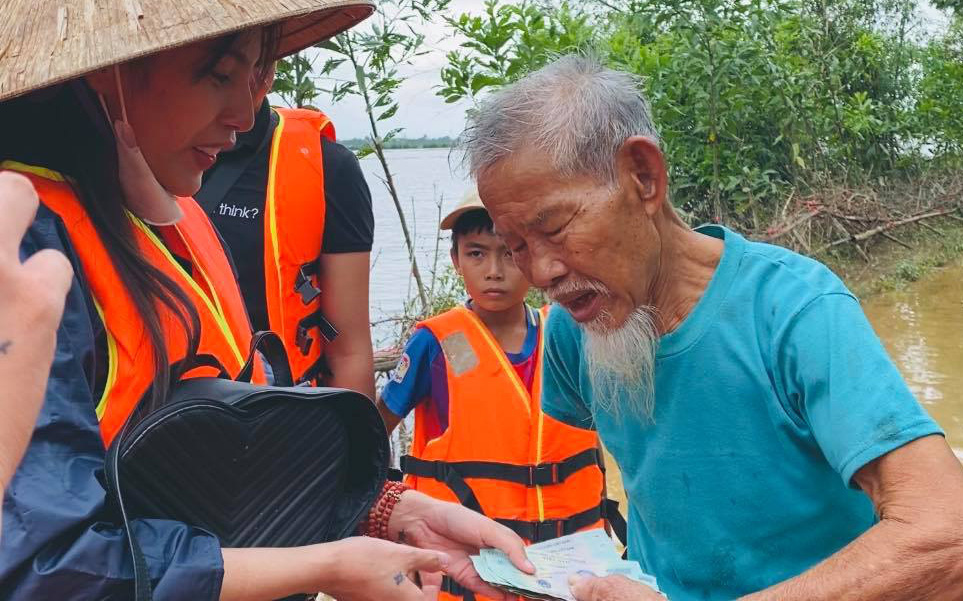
(472, 375)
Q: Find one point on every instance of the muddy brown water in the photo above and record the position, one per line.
(921, 327)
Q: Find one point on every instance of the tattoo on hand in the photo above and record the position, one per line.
(402, 537)
(399, 578)
(5, 346)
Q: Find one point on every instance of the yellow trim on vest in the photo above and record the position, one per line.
(523, 394)
(499, 352)
(543, 318)
(111, 364)
(271, 210)
(218, 316)
(214, 294)
(38, 171)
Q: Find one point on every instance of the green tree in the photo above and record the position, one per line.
(752, 97)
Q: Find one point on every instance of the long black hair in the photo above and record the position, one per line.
(64, 129)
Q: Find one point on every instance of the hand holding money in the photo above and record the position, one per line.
(612, 588)
(587, 555)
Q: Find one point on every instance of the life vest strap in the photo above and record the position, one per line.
(549, 529)
(450, 586)
(612, 515)
(543, 474)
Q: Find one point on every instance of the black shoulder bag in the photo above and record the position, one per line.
(257, 466)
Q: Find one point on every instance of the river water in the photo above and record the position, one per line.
(921, 326)
(424, 178)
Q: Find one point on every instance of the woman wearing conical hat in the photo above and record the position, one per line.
(113, 109)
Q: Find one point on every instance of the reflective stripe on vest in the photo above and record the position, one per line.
(225, 331)
(293, 230)
(500, 451)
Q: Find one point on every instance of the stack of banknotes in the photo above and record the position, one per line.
(589, 553)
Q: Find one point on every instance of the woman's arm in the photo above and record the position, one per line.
(60, 540)
(354, 569)
(344, 302)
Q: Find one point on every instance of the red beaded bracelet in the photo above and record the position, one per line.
(380, 513)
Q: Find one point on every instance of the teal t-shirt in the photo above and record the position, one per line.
(770, 395)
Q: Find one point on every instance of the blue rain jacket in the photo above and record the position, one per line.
(60, 539)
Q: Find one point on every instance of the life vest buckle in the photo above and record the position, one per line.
(545, 474)
(304, 286)
(549, 529)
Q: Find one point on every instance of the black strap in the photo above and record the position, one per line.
(272, 348)
(179, 368)
(442, 472)
(448, 585)
(537, 532)
(612, 515)
(543, 474)
(314, 320)
(142, 583)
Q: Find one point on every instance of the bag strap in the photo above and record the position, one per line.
(272, 348)
(142, 583)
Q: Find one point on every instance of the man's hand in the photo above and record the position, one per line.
(612, 588)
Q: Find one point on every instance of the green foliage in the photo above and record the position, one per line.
(956, 5)
(507, 42)
(752, 97)
(294, 81)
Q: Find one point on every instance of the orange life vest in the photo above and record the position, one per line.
(501, 454)
(225, 332)
(293, 228)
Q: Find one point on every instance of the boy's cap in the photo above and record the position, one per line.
(471, 202)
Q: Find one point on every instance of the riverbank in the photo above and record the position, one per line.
(893, 266)
(878, 238)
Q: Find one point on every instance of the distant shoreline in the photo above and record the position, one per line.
(401, 143)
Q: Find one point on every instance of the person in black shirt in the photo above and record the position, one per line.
(237, 211)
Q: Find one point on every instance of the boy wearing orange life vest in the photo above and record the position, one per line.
(472, 377)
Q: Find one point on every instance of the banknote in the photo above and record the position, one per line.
(588, 553)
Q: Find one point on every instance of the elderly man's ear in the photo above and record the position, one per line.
(641, 167)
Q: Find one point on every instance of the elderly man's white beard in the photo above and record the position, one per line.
(621, 363)
(620, 360)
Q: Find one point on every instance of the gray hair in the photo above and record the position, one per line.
(574, 109)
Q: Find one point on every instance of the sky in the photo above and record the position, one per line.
(421, 111)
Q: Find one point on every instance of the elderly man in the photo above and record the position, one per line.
(768, 446)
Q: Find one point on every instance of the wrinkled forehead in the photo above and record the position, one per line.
(517, 189)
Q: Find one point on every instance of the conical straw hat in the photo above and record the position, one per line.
(43, 42)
